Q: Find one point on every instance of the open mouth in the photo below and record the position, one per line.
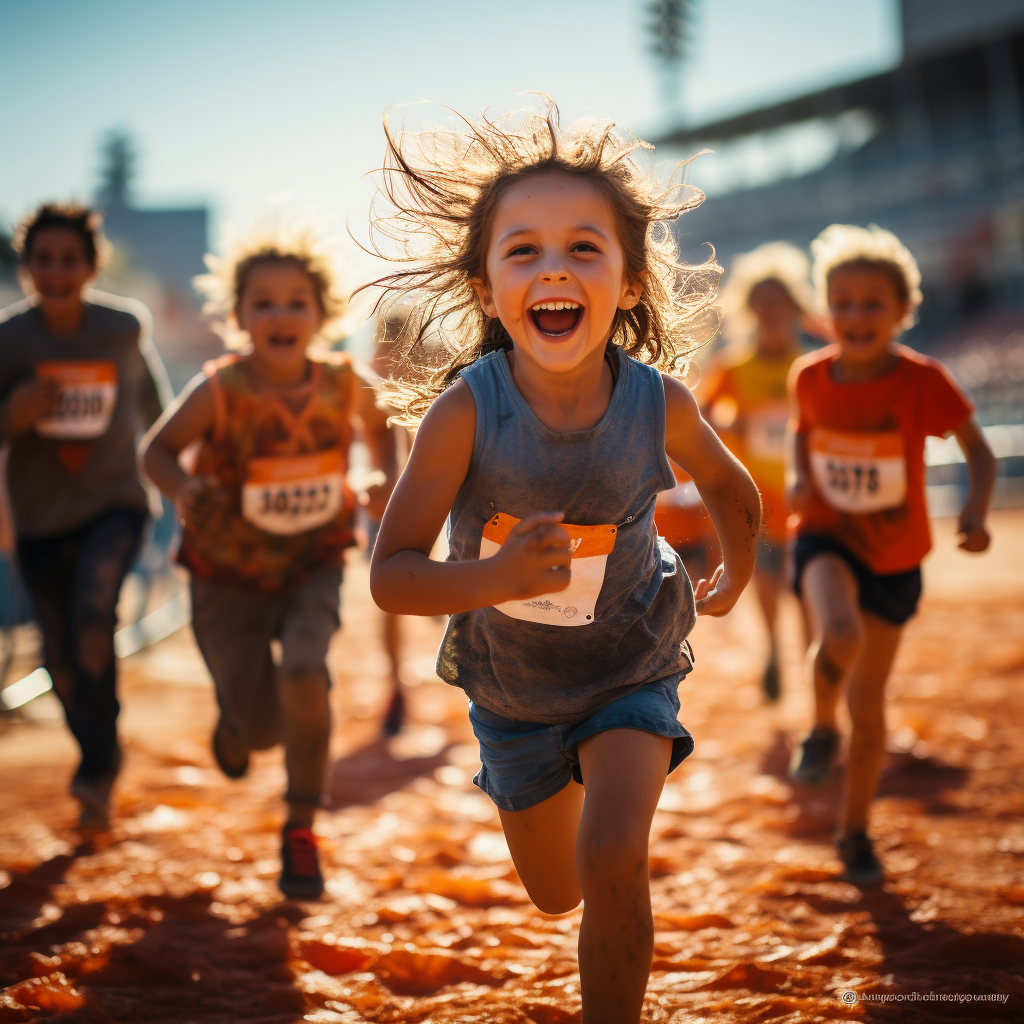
(858, 339)
(282, 340)
(556, 318)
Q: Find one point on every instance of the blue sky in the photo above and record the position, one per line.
(235, 102)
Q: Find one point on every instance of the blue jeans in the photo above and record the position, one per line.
(74, 581)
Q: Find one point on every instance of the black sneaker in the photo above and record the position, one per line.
(394, 717)
(93, 795)
(860, 865)
(814, 759)
(771, 681)
(300, 866)
(232, 763)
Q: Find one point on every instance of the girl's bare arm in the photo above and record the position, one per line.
(534, 559)
(188, 417)
(727, 490)
(981, 481)
(798, 471)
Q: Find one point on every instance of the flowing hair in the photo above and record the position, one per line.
(273, 240)
(436, 200)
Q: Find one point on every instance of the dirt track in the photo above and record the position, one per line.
(175, 917)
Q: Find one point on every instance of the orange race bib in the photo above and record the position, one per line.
(859, 472)
(88, 393)
(574, 606)
(289, 494)
(765, 433)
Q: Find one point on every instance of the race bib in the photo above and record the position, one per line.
(765, 434)
(859, 472)
(291, 494)
(574, 606)
(88, 393)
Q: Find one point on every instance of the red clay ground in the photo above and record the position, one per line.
(174, 917)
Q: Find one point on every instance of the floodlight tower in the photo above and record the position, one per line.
(669, 35)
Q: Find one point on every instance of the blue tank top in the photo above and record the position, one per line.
(623, 621)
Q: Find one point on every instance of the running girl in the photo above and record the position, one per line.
(78, 373)
(267, 515)
(863, 408)
(767, 296)
(544, 446)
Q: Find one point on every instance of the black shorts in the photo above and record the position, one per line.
(892, 597)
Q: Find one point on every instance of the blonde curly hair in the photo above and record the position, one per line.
(780, 262)
(843, 245)
(441, 188)
(300, 245)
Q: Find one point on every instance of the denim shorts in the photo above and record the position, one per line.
(524, 763)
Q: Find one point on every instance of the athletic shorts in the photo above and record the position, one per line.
(892, 597)
(524, 763)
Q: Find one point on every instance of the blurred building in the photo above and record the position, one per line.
(932, 149)
(157, 252)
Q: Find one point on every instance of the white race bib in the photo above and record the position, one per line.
(574, 606)
(289, 494)
(859, 472)
(88, 393)
(765, 434)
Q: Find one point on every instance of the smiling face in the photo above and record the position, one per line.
(59, 269)
(867, 314)
(555, 270)
(279, 309)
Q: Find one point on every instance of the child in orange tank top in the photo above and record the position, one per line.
(862, 409)
(267, 515)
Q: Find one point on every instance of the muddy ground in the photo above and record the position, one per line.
(174, 916)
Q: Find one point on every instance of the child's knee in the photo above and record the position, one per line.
(554, 901)
(610, 853)
(840, 645)
(304, 686)
(94, 648)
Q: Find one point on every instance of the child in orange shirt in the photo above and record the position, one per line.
(862, 410)
(267, 515)
(768, 296)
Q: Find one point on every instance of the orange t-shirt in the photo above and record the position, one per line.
(756, 386)
(866, 448)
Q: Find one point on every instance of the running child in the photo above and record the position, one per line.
(767, 297)
(267, 514)
(80, 379)
(863, 408)
(544, 442)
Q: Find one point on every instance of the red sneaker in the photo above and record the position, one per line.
(300, 866)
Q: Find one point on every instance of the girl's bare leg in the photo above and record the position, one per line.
(624, 772)
(830, 597)
(394, 716)
(542, 840)
(392, 632)
(866, 700)
(768, 587)
(595, 848)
